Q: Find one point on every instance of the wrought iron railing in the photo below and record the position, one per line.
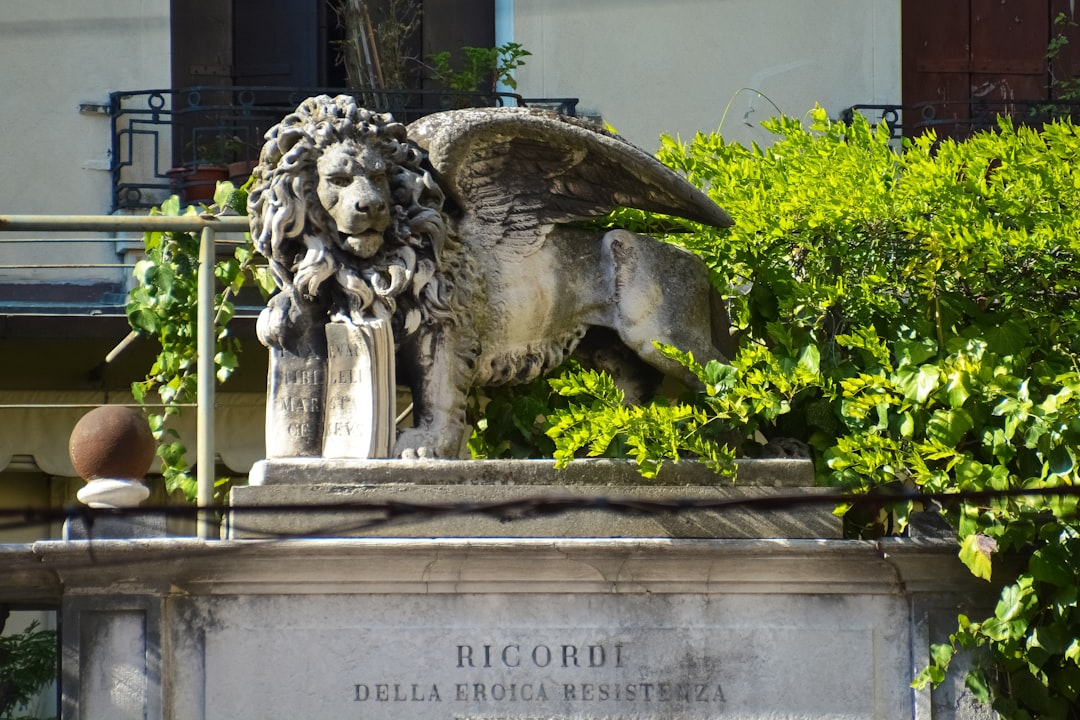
(183, 140)
(959, 120)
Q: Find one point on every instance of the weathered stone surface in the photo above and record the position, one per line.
(458, 231)
(360, 397)
(567, 656)
(778, 473)
(115, 528)
(379, 628)
(321, 486)
(296, 397)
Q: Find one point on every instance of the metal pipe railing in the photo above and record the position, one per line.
(122, 223)
(209, 226)
(204, 428)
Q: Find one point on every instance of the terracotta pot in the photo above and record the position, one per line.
(196, 183)
(240, 171)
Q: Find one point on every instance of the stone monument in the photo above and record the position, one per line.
(456, 235)
(449, 254)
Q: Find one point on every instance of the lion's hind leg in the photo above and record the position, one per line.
(662, 293)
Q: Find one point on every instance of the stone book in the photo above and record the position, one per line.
(358, 418)
(295, 400)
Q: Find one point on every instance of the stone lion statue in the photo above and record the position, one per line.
(459, 230)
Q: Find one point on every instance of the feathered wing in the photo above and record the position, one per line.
(516, 172)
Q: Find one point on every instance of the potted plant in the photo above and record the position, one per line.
(196, 180)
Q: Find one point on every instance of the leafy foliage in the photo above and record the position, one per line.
(912, 316)
(511, 421)
(482, 69)
(163, 305)
(739, 400)
(1064, 83)
(27, 665)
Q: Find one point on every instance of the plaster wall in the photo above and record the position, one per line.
(56, 56)
(684, 66)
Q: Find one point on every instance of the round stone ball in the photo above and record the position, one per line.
(112, 441)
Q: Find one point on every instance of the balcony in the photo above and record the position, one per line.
(960, 120)
(183, 140)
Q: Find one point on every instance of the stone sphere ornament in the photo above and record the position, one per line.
(112, 447)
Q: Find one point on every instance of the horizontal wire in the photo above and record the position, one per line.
(531, 507)
(390, 514)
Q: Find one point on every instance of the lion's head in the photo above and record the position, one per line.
(349, 219)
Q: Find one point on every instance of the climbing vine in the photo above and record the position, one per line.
(163, 306)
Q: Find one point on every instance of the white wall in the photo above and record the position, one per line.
(55, 55)
(673, 67)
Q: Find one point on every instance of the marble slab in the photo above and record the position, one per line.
(339, 498)
(562, 655)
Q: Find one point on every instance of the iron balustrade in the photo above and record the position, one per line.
(160, 138)
(960, 120)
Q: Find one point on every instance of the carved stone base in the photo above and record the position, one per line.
(300, 497)
(421, 629)
(113, 493)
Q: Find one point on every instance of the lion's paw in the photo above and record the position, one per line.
(414, 443)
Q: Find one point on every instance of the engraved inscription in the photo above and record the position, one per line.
(360, 385)
(294, 410)
(589, 677)
(540, 656)
(300, 398)
(342, 382)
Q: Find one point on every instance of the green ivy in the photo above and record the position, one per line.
(164, 305)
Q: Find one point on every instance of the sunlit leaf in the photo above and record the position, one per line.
(975, 552)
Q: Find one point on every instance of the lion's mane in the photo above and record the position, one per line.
(317, 274)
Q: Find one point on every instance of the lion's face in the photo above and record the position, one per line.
(351, 222)
(354, 190)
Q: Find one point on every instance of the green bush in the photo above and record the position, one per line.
(27, 665)
(912, 316)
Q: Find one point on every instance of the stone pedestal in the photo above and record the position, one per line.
(514, 628)
(563, 621)
(305, 497)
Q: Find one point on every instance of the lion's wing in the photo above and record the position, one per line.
(515, 172)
